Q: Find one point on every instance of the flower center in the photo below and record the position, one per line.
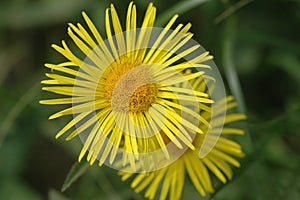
(130, 88)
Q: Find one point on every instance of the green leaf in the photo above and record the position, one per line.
(269, 39)
(16, 111)
(180, 8)
(55, 195)
(232, 77)
(76, 171)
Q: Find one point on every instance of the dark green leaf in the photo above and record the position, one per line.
(179, 8)
(55, 195)
(76, 171)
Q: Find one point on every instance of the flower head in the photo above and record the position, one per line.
(130, 96)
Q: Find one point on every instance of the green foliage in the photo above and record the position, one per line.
(77, 170)
(255, 45)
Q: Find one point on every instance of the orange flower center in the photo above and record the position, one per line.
(130, 87)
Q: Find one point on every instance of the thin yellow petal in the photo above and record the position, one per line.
(117, 29)
(225, 157)
(166, 185)
(170, 95)
(192, 174)
(174, 47)
(88, 141)
(148, 179)
(223, 166)
(233, 131)
(109, 34)
(202, 172)
(184, 90)
(159, 39)
(160, 121)
(184, 109)
(61, 68)
(214, 170)
(181, 54)
(152, 189)
(116, 140)
(71, 124)
(88, 52)
(62, 101)
(92, 28)
(161, 50)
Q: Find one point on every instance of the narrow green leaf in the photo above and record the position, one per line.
(55, 195)
(232, 76)
(16, 111)
(265, 38)
(229, 65)
(179, 8)
(76, 171)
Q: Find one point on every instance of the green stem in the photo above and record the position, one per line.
(232, 9)
(17, 109)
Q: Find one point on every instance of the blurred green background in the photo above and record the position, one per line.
(256, 46)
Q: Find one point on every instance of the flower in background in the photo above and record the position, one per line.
(131, 98)
(218, 161)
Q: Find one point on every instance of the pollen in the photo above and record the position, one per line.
(130, 87)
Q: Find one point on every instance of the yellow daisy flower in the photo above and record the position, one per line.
(129, 95)
(169, 181)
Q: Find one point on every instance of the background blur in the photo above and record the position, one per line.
(256, 45)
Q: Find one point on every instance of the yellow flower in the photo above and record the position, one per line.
(169, 181)
(129, 95)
